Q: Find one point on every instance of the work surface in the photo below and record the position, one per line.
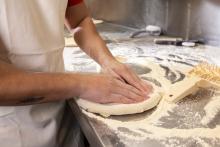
(194, 121)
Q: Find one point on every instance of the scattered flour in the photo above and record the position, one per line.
(149, 127)
(192, 127)
(211, 110)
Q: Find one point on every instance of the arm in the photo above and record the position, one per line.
(18, 87)
(88, 39)
(85, 34)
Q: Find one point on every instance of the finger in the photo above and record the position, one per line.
(129, 91)
(127, 87)
(149, 86)
(145, 86)
(116, 75)
(138, 81)
(133, 80)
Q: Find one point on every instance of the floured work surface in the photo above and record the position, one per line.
(188, 123)
(194, 121)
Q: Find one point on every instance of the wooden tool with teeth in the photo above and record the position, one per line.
(203, 75)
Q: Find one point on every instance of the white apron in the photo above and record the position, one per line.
(31, 38)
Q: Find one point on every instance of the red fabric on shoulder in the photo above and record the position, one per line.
(73, 2)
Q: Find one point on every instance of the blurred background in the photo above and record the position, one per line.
(189, 19)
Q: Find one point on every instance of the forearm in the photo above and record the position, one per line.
(88, 39)
(31, 88)
(78, 21)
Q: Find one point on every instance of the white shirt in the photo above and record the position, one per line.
(31, 38)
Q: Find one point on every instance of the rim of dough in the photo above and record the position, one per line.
(122, 109)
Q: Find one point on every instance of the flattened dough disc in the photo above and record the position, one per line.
(123, 109)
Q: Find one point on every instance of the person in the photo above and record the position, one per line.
(33, 84)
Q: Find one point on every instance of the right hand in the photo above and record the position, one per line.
(102, 88)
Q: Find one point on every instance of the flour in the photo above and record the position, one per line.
(211, 110)
(204, 144)
(180, 124)
(190, 120)
(152, 128)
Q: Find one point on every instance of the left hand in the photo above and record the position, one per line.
(124, 73)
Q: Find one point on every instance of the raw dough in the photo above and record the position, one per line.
(122, 109)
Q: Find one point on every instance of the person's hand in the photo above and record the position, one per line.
(103, 88)
(124, 73)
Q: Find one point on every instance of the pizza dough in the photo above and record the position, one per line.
(122, 109)
(154, 77)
